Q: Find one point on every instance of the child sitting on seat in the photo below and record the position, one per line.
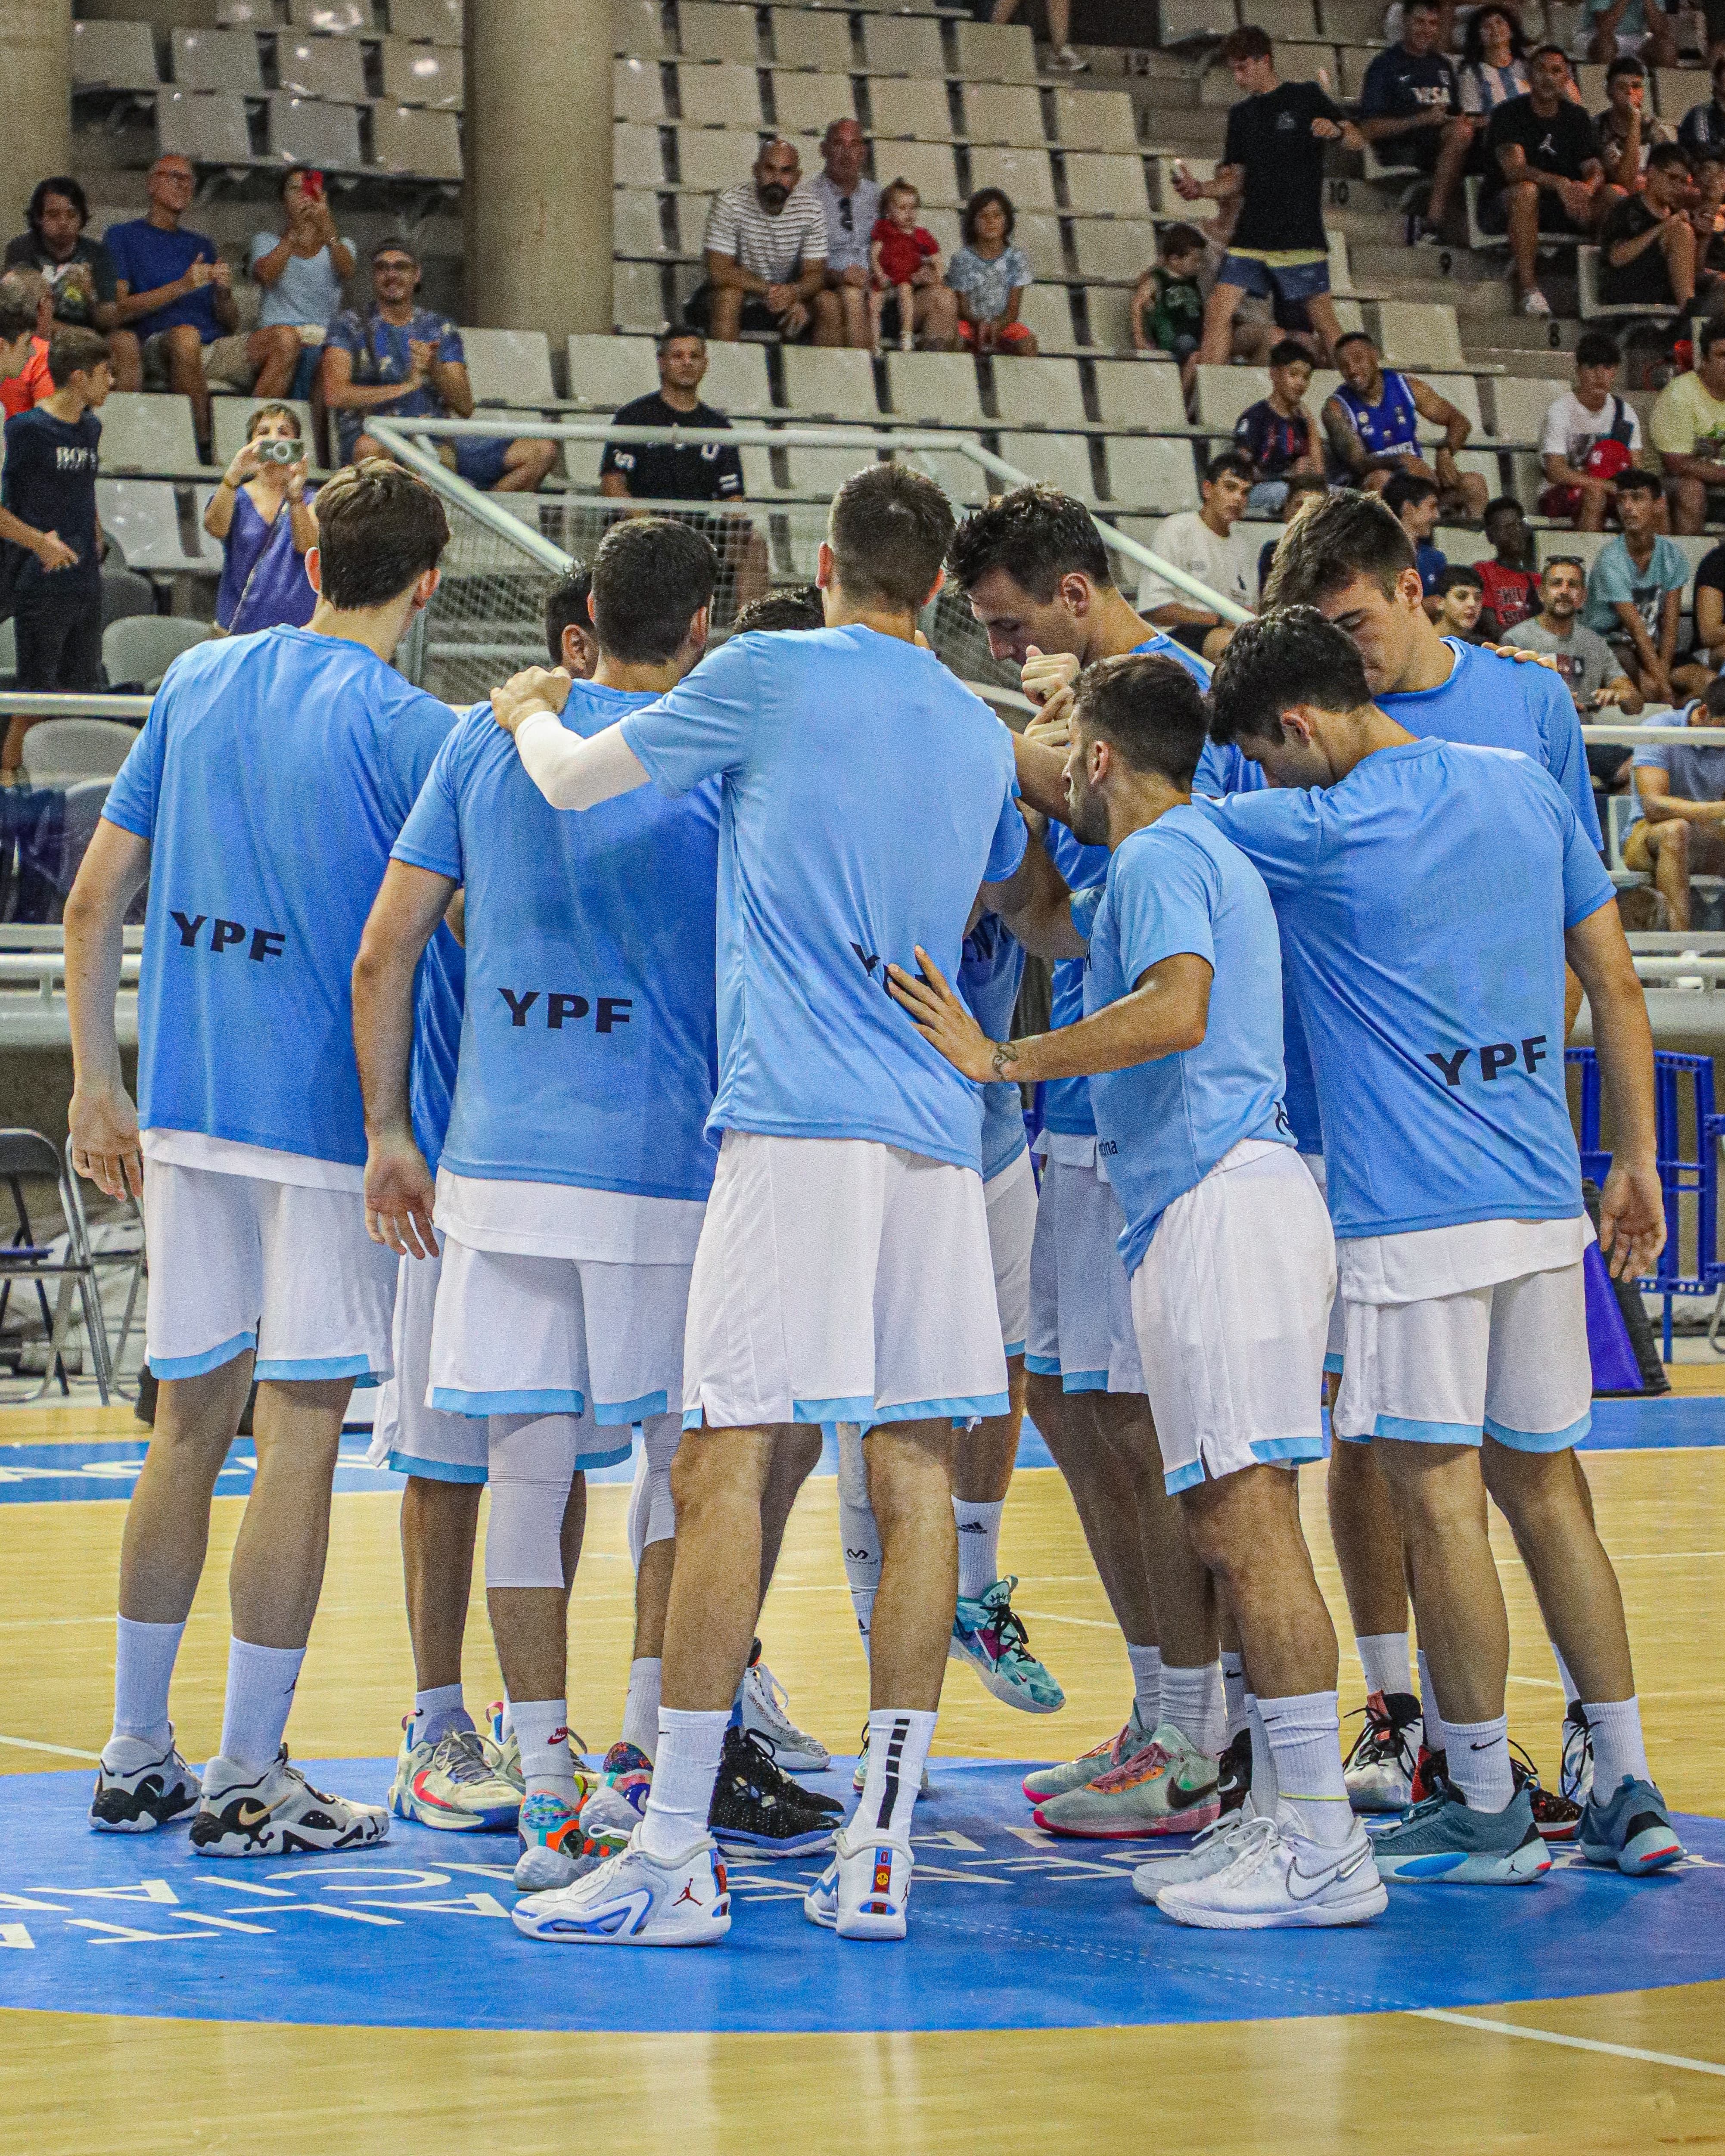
(1168, 305)
(900, 252)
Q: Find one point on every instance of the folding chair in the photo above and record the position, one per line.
(27, 1157)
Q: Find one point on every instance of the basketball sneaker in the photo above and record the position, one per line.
(620, 1795)
(862, 1894)
(503, 1748)
(1556, 1817)
(1632, 1831)
(277, 1813)
(991, 1638)
(634, 1900)
(1042, 1783)
(756, 1807)
(1281, 1879)
(451, 1784)
(860, 1773)
(139, 1787)
(1442, 1842)
(764, 1700)
(1379, 1771)
(1233, 1773)
(1214, 1850)
(1168, 1787)
(553, 1851)
(1575, 1776)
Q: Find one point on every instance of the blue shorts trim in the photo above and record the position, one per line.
(1084, 1381)
(855, 1406)
(1183, 1478)
(1043, 1366)
(631, 1411)
(1273, 1450)
(489, 1404)
(1300, 280)
(479, 459)
(1342, 1436)
(1016, 1347)
(1540, 1441)
(1427, 1433)
(977, 1405)
(434, 1471)
(194, 1366)
(312, 1367)
(1333, 1365)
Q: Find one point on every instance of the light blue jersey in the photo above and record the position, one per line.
(440, 989)
(589, 1043)
(271, 778)
(1423, 902)
(1177, 885)
(988, 981)
(866, 795)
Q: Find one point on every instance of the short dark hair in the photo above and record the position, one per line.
(1713, 697)
(394, 247)
(777, 612)
(889, 528)
(62, 183)
(1405, 487)
(674, 333)
(1430, 7)
(74, 352)
(1248, 44)
(1625, 64)
(1229, 461)
(1180, 239)
(565, 608)
(1306, 483)
(1286, 349)
(1496, 507)
(1713, 334)
(1459, 573)
(1663, 155)
(1148, 708)
(651, 576)
(977, 203)
(901, 186)
(1539, 52)
(1635, 480)
(1351, 535)
(1351, 336)
(1038, 535)
(379, 529)
(1294, 656)
(1597, 348)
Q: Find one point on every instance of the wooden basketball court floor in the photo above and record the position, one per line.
(1608, 2070)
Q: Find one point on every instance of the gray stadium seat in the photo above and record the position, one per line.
(246, 14)
(1224, 393)
(1095, 120)
(967, 483)
(736, 379)
(1046, 311)
(1118, 248)
(900, 109)
(143, 646)
(720, 93)
(809, 104)
(1185, 21)
(509, 367)
(903, 45)
(636, 158)
(113, 56)
(638, 26)
(1037, 234)
(438, 21)
(232, 413)
(1109, 307)
(1520, 405)
(606, 372)
(334, 18)
(322, 67)
(1463, 391)
(637, 296)
(422, 75)
(1296, 19)
(1141, 393)
(802, 39)
(823, 472)
(77, 748)
(637, 228)
(405, 140)
(1040, 392)
(217, 59)
(1353, 22)
(995, 52)
(1152, 473)
(1413, 334)
(1003, 112)
(306, 130)
(928, 167)
(1062, 460)
(938, 386)
(718, 34)
(715, 157)
(147, 434)
(828, 384)
(141, 517)
(1098, 185)
(208, 129)
(637, 91)
(1026, 175)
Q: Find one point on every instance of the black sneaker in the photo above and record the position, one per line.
(1380, 1769)
(1575, 1777)
(757, 1806)
(1234, 1772)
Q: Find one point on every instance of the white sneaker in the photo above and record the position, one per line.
(1534, 302)
(1065, 61)
(862, 1894)
(1211, 1852)
(636, 1900)
(764, 1701)
(139, 1787)
(277, 1813)
(1280, 1878)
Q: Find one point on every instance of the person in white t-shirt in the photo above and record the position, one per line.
(1583, 432)
(1204, 544)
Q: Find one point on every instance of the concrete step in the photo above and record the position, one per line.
(1557, 367)
(1527, 333)
(1440, 270)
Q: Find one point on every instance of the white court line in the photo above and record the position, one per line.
(61, 1751)
(1569, 2043)
(1090, 1624)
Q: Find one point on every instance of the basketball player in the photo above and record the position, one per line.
(261, 799)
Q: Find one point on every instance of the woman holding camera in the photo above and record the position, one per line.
(266, 526)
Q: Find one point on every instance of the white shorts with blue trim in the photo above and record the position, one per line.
(1081, 1328)
(839, 1280)
(1009, 1199)
(1316, 1168)
(409, 1435)
(240, 1261)
(1231, 1305)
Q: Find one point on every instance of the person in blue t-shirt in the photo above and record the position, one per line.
(1228, 1247)
(264, 843)
(1428, 894)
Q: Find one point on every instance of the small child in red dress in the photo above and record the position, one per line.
(899, 250)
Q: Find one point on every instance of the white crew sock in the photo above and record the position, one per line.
(1383, 1657)
(1186, 1700)
(1477, 1756)
(1571, 1689)
(685, 1768)
(260, 1691)
(640, 1710)
(143, 1670)
(1436, 1738)
(1234, 1692)
(1265, 1786)
(542, 1725)
(438, 1711)
(1146, 1683)
(1303, 1734)
(979, 1545)
(899, 1738)
(1618, 1749)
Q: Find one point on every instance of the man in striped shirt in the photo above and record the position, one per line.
(766, 249)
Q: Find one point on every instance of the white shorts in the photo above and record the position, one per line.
(1231, 1304)
(1010, 1202)
(839, 1280)
(239, 1261)
(1082, 1327)
(407, 1434)
(1510, 1359)
(1316, 1168)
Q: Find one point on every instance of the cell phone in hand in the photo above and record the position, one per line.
(312, 183)
(278, 452)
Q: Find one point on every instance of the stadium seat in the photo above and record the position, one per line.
(802, 39)
(637, 296)
(1410, 333)
(1037, 234)
(903, 44)
(638, 92)
(995, 52)
(1026, 175)
(636, 158)
(217, 59)
(1677, 91)
(715, 157)
(1217, 88)
(209, 128)
(1594, 309)
(638, 27)
(809, 104)
(1109, 310)
(1163, 194)
(437, 22)
(822, 472)
(1040, 392)
(246, 14)
(637, 226)
(334, 18)
(1184, 21)
(689, 216)
(1588, 545)
(1095, 120)
(1291, 19)
(936, 387)
(736, 378)
(422, 75)
(1141, 393)
(929, 168)
(1102, 186)
(827, 384)
(1150, 472)
(1519, 406)
(231, 415)
(607, 372)
(1463, 544)
(1003, 112)
(1119, 249)
(711, 32)
(305, 131)
(759, 483)
(1590, 81)
(509, 367)
(324, 67)
(967, 483)
(1224, 393)
(113, 56)
(1461, 391)
(142, 647)
(1061, 460)
(720, 93)
(917, 112)
(141, 517)
(1046, 312)
(1353, 22)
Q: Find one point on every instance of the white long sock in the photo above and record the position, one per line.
(899, 1738)
(261, 1692)
(640, 1710)
(1234, 1692)
(438, 1711)
(1186, 1699)
(1266, 1787)
(1436, 1738)
(1618, 1746)
(1383, 1657)
(979, 1545)
(1146, 1683)
(684, 1767)
(143, 1670)
(1571, 1689)
(857, 1532)
(1302, 1731)
(542, 1726)
(1477, 1754)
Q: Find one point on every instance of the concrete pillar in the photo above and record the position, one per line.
(36, 94)
(538, 159)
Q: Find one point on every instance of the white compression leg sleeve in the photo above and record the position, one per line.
(641, 1504)
(857, 1531)
(532, 1466)
(660, 1436)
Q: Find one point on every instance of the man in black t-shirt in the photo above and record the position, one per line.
(1647, 246)
(79, 270)
(1273, 167)
(1549, 177)
(1410, 109)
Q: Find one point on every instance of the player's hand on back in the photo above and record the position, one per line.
(526, 695)
(1522, 658)
(944, 1018)
(105, 1151)
(399, 1197)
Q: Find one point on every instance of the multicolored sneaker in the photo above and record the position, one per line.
(1379, 1770)
(451, 1784)
(277, 1813)
(139, 1787)
(620, 1796)
(988, 1634)
(1442, 1842)
(1168, 1787)
(1556, 1817)
(1431, 1775)
(634, 1900)
(1575, 1775)
(1632, 1831)
(553, 1846)
(758, 1809)
(764, 1701)
(1042, 1783)
(1233, 1773)
(860, 1774)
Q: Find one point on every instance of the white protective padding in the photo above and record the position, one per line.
(532, 1466)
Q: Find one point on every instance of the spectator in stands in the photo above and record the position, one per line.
(1272, 177)
(1511, 582)
(302, 271)
(1590, 435)
(1494, 66)
(266, 526)
(1620, 28)
(568, 624)
(1305, 490)
(18, 343)
(851, 204)
(1646, 245)
(1687, 425)
(79, 271)
(400, 361)
(1277, 433)
(49, 484)
(1460, 595)
(1168, 300)
(1412, 501)
(1702, 126)
(1543, 172)
(25, 293)
(903, 258)
(177, 324)
(1062, 59)
(988, 274)
(1596, 680)
(1623, 131)
(1710, 609)
(1634, 596)
(766, 249)
(1372, 421)
(1707, 214)
(1204, 543)
(1679, 829)
(1410, 112)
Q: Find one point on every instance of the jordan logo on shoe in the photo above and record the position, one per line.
(688, 1895)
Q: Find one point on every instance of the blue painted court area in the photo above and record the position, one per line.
(1009, 1928)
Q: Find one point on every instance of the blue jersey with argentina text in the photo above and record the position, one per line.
(1177, 886)
(1424, 900)
(1391, 426)
(439, 987)
(271, 778)
(589, 1039)
(988, 981)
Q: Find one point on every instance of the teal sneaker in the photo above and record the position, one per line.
(1440, 1842)
(553, 1849)
(1632, 1831)
(1168, 1787)
(988, 1635)
(1042, 1783)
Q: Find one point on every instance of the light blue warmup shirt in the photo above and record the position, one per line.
(866, 794)
(1177, 885)
(271, 778)
(988, 981)
(588, 1042)
(1422, 903)
(439, 987)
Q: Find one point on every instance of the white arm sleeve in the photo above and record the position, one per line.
(573, 773)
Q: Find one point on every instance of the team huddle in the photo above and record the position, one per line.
(633, 1052)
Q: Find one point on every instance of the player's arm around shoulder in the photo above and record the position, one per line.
(569, 771)
(1036, 904)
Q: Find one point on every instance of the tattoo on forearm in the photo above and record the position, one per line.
(1006, 1055)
